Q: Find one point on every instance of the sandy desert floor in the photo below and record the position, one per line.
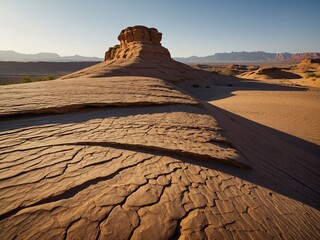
(296, 113)
(292, 110)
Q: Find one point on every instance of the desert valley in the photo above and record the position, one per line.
(140, 146)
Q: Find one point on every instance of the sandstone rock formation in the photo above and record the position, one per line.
(138, 41)
(98, 156)
(140, 54)
(301, 56)
(309, 65)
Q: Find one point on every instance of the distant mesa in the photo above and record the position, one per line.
(138, 41)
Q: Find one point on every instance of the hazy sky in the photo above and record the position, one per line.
(189, 27)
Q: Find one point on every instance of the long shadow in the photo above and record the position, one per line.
(280, 162)
(209, 90)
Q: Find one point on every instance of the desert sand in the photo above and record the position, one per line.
(143, 147)
(292, 110)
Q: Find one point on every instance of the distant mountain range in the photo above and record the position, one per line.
(258, 56)
(43, 57)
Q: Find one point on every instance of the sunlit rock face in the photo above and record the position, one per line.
(140, 34)
(138, 41)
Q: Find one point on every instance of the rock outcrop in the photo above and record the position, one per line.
(140, 53)
(138, 41)
(140, 34)
(309, 65)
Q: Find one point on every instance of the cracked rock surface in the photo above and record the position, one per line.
(143, 162)
(115, 151)
(63, 96)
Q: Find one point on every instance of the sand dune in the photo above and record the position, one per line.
(270, 73)
(131, 149)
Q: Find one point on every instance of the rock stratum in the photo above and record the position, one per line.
(138, 41)
(105, 153)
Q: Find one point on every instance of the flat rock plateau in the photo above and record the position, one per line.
(122, 150)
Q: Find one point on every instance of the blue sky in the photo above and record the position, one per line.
(189, 27)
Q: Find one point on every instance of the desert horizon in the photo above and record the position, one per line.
(139, 144)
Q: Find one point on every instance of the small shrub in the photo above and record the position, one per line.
(48, 77)
(29, 79)
(26, 79)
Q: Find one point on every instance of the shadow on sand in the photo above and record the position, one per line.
(281, 162)
(209, 90)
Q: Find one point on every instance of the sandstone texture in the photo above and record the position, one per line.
(63, 96)
(105, 153)
(138, 41)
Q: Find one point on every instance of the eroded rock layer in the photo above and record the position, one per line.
(63, 96)
(138, 41)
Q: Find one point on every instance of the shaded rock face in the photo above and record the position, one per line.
(138, 41)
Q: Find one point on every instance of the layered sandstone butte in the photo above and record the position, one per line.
(138, 41)
(107, 154)
(140, 54)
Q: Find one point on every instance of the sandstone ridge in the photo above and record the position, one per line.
(138, 41)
